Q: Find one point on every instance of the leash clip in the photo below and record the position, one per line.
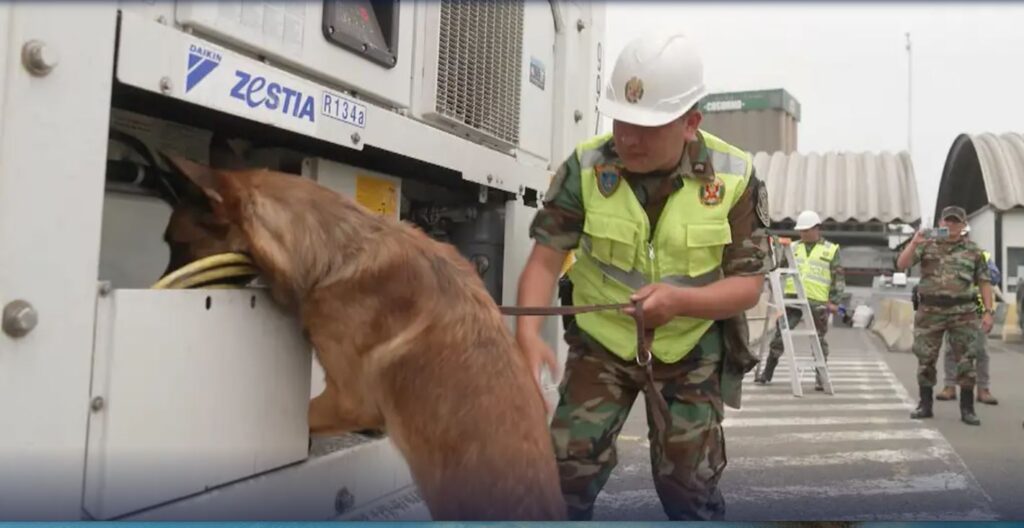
(643, 353)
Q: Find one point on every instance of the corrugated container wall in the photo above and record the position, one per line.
(758, 121)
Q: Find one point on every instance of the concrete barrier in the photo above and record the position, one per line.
(1011, 325)
(898, 334)
(904, 311)
(883, 317)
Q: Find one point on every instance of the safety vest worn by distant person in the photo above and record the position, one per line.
(815, 270)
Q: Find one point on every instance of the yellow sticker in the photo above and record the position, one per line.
(377, 195)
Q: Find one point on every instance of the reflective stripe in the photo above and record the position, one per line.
(590, 158)
(729, 163)
(633, 279)
(636, 280)
(699, 280)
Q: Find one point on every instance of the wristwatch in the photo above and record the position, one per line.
(989, 311)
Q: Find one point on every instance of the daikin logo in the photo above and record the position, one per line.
(201, 62)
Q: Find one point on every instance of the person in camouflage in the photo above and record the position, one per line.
(810, 239)
(981, 362)
(655, 163)
(952, 271)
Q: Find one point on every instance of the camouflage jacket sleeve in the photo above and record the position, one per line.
(981, 271)
(748, 254)
(559, 222)
(838, 286)
(918, 254)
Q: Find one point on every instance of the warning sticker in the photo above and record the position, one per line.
(377, 195)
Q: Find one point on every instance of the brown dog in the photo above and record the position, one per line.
(408, 337)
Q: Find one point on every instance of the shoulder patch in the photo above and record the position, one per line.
(608, 179)
(762, 204)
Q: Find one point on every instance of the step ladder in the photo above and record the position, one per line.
(777, 302)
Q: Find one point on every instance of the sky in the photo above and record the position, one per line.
(847, 64)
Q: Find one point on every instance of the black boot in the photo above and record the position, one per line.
(967, 415)
(817, 380)
(768, 370)
(924, 407)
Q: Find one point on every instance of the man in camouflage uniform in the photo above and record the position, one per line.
(981, 354)
(822, 302)
(952, 271)
(664, 167)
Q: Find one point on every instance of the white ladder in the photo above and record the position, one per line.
(778, 302)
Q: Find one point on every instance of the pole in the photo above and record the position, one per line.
(910, 93)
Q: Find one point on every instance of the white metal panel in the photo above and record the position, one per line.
(291, 33)
(150, 52)
(199, 388)
(538, 63)
(518, 246)
(577, 74)
(52, 158)
(983, 229)
(1013, 237)
(343, 482)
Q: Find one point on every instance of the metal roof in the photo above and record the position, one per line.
(983, 169)
(841, 186)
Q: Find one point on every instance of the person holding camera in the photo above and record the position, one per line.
(953, 270)
(982, 361)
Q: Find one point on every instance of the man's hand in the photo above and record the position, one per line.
(919, 238)
(537, 352)
(660, 303)
(986, 323)
(832, 308)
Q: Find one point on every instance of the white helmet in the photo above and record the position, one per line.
(656, 79)
(807, 220)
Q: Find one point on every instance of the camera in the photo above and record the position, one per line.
(936, 233)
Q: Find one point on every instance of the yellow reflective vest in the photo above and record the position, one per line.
(618, 253)
(815, 269)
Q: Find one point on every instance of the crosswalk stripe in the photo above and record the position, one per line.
(937, 482)
(801, 407)
(872, 396)
(839, 386)
(836, 436)
(788, 421)
(885, 456)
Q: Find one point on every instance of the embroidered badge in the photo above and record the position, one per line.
(607, 180)
(711, 193)
(634, 90)
(762, 205)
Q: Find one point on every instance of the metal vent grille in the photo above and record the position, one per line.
(479, 65)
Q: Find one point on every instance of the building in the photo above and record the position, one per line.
(866, 201)
(756, 121)
(984, 174)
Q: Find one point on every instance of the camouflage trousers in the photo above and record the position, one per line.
(596, 395)
(964, 335)
(820, 313)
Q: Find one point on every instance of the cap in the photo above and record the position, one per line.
(954, 212)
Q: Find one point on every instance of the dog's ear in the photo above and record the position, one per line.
(199, 177)
(200, 186)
